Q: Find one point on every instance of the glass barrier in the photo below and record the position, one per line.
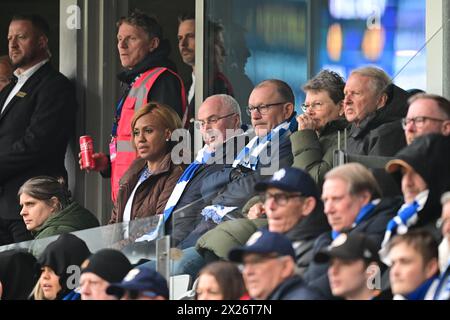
(119, 236)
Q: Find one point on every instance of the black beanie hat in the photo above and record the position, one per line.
(109, 264)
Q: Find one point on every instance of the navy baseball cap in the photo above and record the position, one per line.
(292, 180)
(349, 246)
(264, 242)
(142, 279)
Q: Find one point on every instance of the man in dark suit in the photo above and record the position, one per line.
(36, 120)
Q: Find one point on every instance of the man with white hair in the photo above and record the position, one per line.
(218, 121)
(374, 107)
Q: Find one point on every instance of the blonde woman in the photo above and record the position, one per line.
(146, 186)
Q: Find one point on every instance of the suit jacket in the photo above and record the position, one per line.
(35, 128)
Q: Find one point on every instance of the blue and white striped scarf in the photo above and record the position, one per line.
(249, 158)
(443, 288)
(365, 211)
(406, 216)
(202, 157)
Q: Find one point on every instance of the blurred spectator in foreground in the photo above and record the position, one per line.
(268, 262)
(140, 284)
(414, 267)
(99, 270)
(220, 280)
(17, 274)
(58, 263)
(353, 266)
(353, 203)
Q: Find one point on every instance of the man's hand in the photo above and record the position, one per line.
(101, 161)
(256, 211)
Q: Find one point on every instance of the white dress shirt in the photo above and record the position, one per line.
(21, 79)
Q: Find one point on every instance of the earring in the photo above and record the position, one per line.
(167, 140)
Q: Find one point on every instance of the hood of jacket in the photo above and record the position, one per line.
(18, 274)
(429, 156)
(158, 58)
(67, 250)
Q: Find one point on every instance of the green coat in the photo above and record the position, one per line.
(314, 153)
(72, 218)
(227, 235)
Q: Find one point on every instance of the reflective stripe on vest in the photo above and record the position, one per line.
(125, 154)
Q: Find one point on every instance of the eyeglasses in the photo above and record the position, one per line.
(280, 199)
(315, 105)
(212, 120)
(263, 108)
(419, 121)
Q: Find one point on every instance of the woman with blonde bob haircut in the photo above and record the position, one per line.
(147, 184)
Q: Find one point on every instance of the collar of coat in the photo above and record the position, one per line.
(136, 168)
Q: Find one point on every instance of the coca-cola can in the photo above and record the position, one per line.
(87, 149)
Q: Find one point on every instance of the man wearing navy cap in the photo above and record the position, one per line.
(268, 261)
(140, 284)
(293, 208)
(353, 266)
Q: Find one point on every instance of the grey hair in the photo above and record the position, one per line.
(328, 81)
(45, 187)
(378, 78)
(230, 102)
(445, 198)
(358, 177)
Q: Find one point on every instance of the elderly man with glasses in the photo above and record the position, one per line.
(271, 106)
(292, 207)
(218, 121)
(268, 267)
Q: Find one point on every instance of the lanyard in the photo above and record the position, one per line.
(119, 108)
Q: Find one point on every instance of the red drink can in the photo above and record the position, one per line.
(87, 149)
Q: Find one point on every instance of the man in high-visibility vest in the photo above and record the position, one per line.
(149, 75)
